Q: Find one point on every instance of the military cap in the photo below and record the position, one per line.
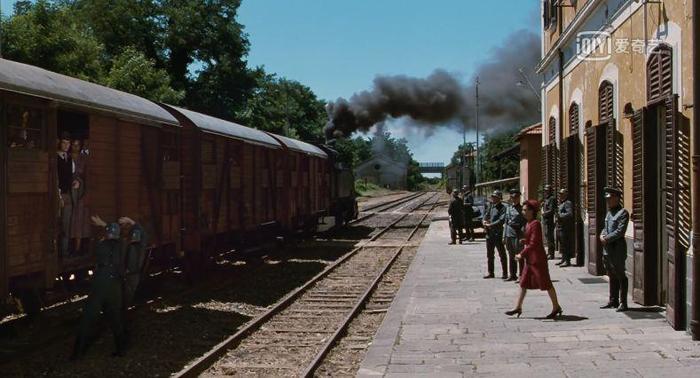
(497, 193)
(609, 191)
(547, 187)
(112, 231)
(563, 191)
(515, 192)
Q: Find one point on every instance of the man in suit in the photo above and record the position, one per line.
(65, 168)
(612, 237)
(513, 232)
(565, 228)
(549, 208)
(494, 217)
(456, 212)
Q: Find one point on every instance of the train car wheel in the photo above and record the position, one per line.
(29, 301)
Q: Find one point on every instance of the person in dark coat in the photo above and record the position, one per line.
(494, 217)
(549, 208)
(456, 213)
(612, 237)
(65, 169)
(106, 291)
(513, 233)
(468, 214)
(536, 272)
(565, 228)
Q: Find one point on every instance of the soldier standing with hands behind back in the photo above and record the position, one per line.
(456, 212)
(549, 207)
(494, 217)
(513, 232)
(615, 248)
(565, 228)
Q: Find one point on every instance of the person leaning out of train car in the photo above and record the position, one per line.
(456, 213)
(612, 238)
(106, 291)
(65, 168)
(80, 223)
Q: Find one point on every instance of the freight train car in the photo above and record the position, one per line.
(129, 169)
(198, 184)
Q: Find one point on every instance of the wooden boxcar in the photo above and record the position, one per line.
(229, 186)
(306, 177)
(132, 168)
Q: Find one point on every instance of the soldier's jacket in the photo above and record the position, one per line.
(495, 214)
(468, 209)
(456, 212)
(614, 230)
(565, 215)
(514, 221)
(548, 209)
(109, 260)
(135, 253)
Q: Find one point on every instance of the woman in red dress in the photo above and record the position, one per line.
(536, 272)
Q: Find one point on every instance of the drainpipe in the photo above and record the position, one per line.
(695, 306)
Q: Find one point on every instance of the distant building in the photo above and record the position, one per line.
(530, 141)
(383, 171)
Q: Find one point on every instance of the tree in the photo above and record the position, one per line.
(45, 34)
(285, 107)
(494, 169)
(134, 73)
(198, 42)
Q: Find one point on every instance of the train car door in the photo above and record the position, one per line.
(26, 208)
(3, 202)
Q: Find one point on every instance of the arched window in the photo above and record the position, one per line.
(573, 119)
(660, 73)
(605, 102)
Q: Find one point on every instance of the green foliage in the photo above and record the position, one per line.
(47, 35)
(351, 152)
(365, 188)
(285, 107)
(493, 169)
(134, 73)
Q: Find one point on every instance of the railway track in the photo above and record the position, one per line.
(391, 203)
(294, 336)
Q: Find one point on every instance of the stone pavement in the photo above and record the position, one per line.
(448, 321)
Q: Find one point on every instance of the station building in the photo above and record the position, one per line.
(384, 171)
(617, 103)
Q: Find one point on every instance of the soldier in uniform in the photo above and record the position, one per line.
(615, 248)
(549, 207)
(456, 212)
(135, 257)
(493, 223)
(565, 228)
(468, 214)
(513, 233)
(106, 292)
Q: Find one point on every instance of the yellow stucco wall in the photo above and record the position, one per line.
(627, 71)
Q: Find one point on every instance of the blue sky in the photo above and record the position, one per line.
(338, 47)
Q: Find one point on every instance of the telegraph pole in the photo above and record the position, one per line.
(477, 165)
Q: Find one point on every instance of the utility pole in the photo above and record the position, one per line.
(462, 151)
(0, 29)
(477, 165)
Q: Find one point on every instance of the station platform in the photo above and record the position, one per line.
(446, 320)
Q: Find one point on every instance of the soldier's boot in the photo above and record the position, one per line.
(623, 295)
(610, 304)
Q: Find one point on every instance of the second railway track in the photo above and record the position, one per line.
(294, 336)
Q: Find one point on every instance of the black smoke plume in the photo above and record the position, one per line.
(442, 99)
